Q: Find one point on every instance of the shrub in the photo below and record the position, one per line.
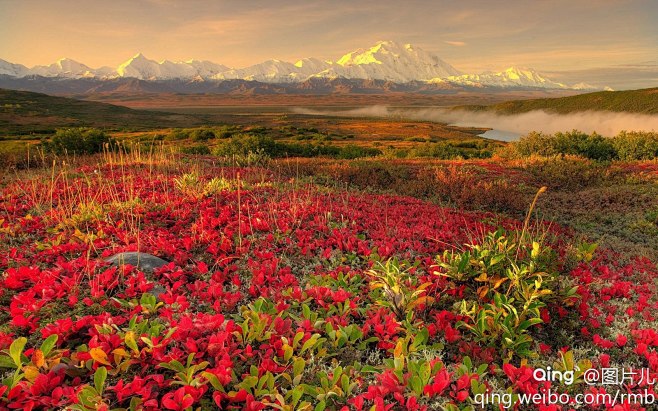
(225, 132)
(352, 151)
(627, 146)
(200, 149)
(467, 188)
(636, 145)
(79, 141)
(537, 144)
(566, 172)
(243, 144)
(507, 279)
(176, 135)
(202, 134)
(592, 146)
(451, 151)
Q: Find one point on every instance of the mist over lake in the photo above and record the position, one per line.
(505, 127)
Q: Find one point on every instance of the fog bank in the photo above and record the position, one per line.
(603, 122)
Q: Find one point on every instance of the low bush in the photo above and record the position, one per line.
(627, 146)
(636, 145)
(567, 172)
(200, 149)
(352, 151)
(507, 279)
(79, 141)
(202, 134)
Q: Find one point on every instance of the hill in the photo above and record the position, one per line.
(633, 101)
(27, 112)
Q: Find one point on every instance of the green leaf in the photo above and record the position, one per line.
(529, 323)
(298, 367)
(6, 362)
(250, 382)
(416, 384)
(87, 397)
(310, 343)
(135, 403)
(421, 338)
(173, 365)
(213, 380)
(287, 352)
(306, 311)
(16, 349)
(99, 379)
(496, 259)
(425, 372)
(297, 338)
(321, 406)
(48, 344)
(297, 393)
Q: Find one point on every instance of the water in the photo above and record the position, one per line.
(501, 135)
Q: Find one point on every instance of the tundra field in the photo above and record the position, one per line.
(321, 263)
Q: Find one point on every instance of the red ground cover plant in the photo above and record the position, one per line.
(280, 296)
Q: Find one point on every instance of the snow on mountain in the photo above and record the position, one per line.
(11, 69)
(142, 68)
(63, 68)
(139, 67)
(390, 61)
(307, 67)
(206, 69)
(386, 60)
(589, 87)
(270, 71)
(512, 77)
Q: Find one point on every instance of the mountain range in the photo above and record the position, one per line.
(385, 64)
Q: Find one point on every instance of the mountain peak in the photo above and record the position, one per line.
(511, 77)
(388, 60)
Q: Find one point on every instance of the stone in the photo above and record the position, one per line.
(142, 261)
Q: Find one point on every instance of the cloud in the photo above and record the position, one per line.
(455, 43)
(630, 76)
(604, 123)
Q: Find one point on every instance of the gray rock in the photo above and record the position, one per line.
(143, 261)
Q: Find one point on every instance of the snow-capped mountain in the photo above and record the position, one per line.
(11, 69)
(512, 77)
(141, 68)
(270, 71)
(64, 68)
(385, 61)
(390, 61)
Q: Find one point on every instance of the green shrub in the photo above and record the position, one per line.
(507, 279)
(536, 143)
(592, 146)
(352, 151)
(566, 172)
(628, 146)
(225, 132)
(202, 134)
(416, 139)
(201, 149)
(243, 144)
(79, 141)
(636, 145)
(177, 135)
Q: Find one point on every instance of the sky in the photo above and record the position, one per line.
(602, 42)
